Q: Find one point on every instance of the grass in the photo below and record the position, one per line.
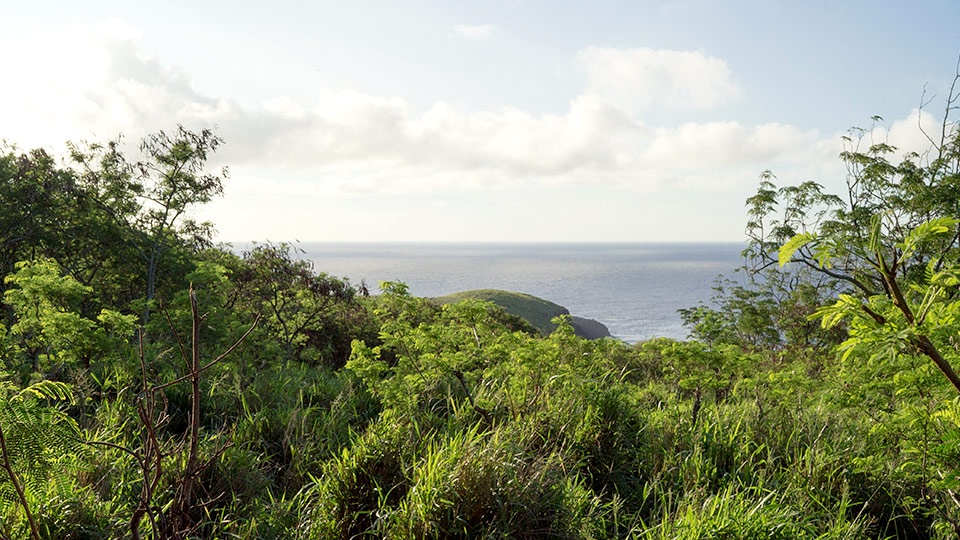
(468, 429)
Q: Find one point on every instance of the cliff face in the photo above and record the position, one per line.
(536, 311)
(589, 328)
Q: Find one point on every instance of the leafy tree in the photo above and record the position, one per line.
(28, 183)
(744, 316)
(41, 215)
(151, 197)
(301, 310)
(104, 211)
(767, 310)
(892, 243)
(48, 324)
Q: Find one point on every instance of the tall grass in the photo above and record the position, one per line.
(456, 427)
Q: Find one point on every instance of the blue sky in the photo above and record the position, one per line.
(486, 120)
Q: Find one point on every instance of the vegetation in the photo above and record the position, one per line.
(537, 311)
(529, 309)
(156, 386)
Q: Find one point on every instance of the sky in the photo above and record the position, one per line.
(484, 120)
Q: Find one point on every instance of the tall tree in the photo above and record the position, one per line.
(152, 196)
(893, 241)
(32, 189)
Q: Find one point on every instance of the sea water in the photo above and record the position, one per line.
(633, 289)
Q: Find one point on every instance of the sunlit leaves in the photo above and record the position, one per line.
(790, 248)
(925, 233)
(48, 324)
(50, 390)
(846, 306)
(887, 241)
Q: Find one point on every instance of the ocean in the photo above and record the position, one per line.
(634, 289)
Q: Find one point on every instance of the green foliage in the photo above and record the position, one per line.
(768, 310)
(788, 250)
(148, 200)
(45, 210)
(537, 311)
(301, 310)
(890, 244)
(343, 415)
(636, 459)
(39, 447)
(48, 331)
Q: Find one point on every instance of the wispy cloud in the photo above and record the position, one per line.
(474, 31)
(638, 79)
(92, 80)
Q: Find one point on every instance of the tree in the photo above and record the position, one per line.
(47, 323)
(893, 242)
(33, 194)
(300, 308)
(767, 309)
(151, 198)
(48, 210)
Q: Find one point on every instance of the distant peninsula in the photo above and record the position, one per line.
(537, 311)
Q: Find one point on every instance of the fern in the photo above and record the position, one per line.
(35, 436)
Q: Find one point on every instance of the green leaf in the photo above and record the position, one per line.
(925, 232)
(876, 230)
(792, 245)
(846, 305)
(824, 252)
(54, 390)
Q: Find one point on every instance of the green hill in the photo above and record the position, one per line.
(536, 311)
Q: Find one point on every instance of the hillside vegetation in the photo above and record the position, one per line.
(537, 311)
(157, 386)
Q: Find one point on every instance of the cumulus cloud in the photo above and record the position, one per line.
(637, 79)
(474, 31)
(93, 81)
(378, 144)
(919, 133)
(351, 141)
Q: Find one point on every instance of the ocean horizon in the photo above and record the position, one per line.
(635, 289)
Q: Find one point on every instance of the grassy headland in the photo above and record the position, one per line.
(537, 311)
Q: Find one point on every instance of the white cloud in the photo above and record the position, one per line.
(725, 144)
(637, 79)
(474, 31)
(920, 132)
(378, 144)
(350, 141)
(92, 81)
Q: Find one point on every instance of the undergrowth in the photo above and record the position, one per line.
(452, 425)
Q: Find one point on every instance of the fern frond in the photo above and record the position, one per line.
(53, 390)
